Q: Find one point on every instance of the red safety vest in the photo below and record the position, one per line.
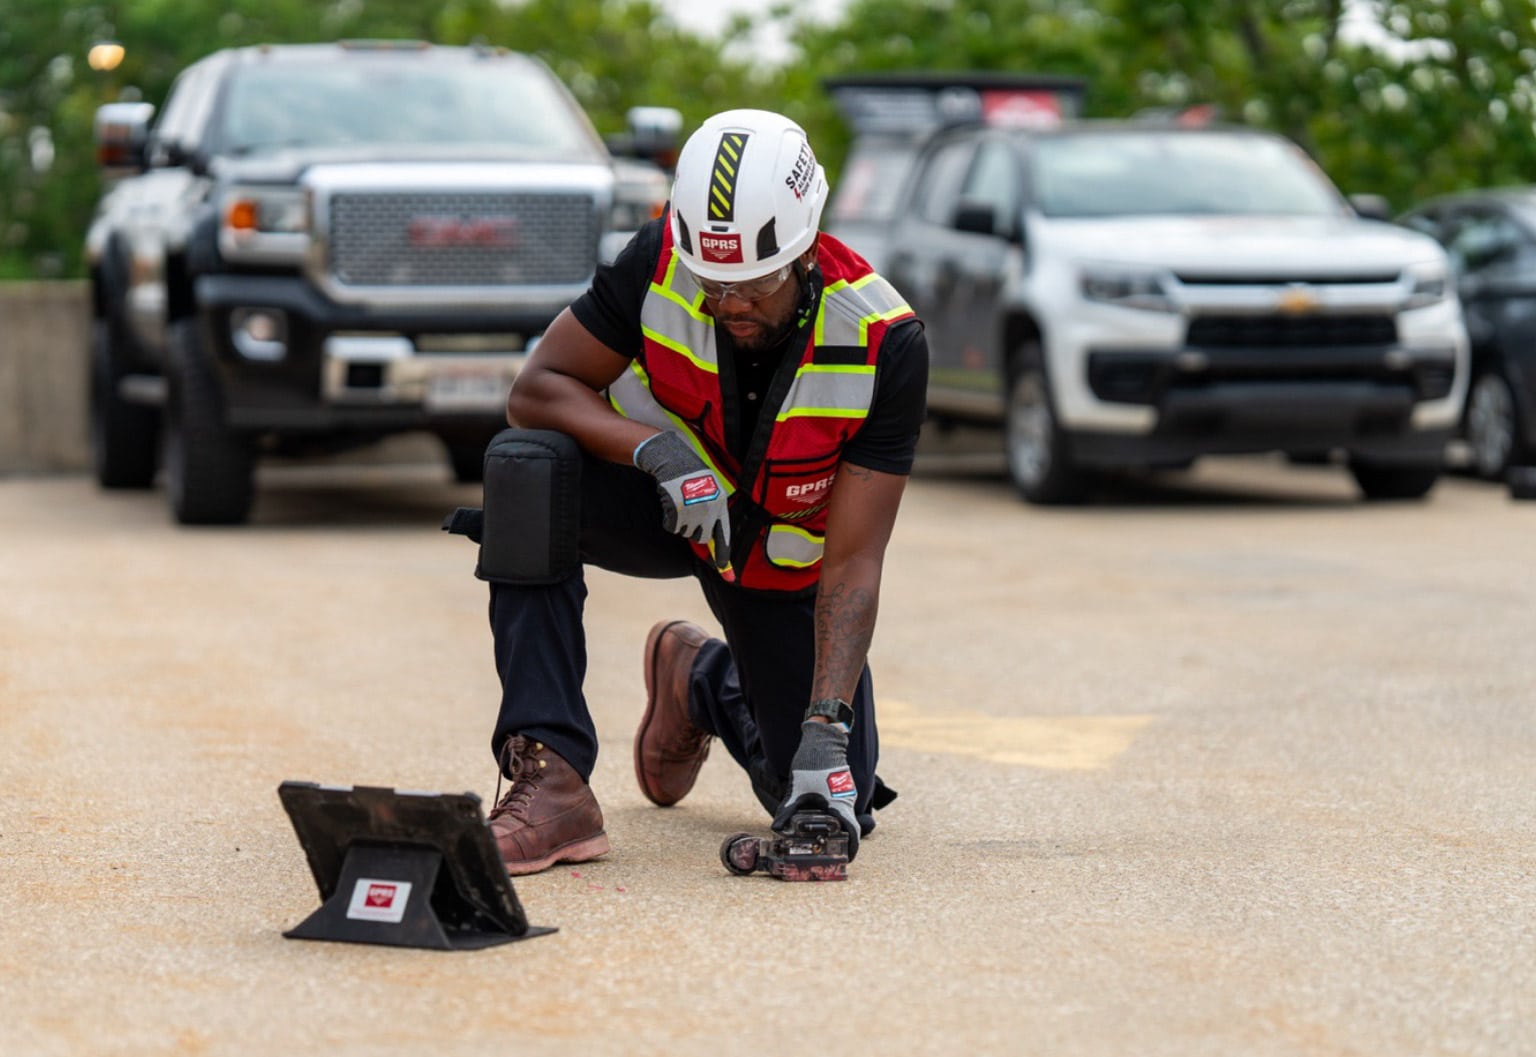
(778, 515)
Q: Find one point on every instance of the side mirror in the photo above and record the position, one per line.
(1371, 207)
(121, 134)
(652, 133)
(976, 217)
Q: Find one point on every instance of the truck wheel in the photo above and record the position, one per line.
(1491, 426)
(1394, 480)
(1039, 456)
(209, 470)
(467, 461)
(125, 438)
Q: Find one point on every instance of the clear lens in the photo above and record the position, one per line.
(1144, 290)
(747, 290)
(1426, 287)
(265, 224)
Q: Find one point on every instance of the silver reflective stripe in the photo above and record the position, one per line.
(630, 395)
(849, 309)
(830, 391)
(673, 316)
(791, 546)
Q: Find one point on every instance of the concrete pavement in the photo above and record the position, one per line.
(1229, 764)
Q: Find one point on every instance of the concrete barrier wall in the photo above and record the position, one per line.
(44, 338)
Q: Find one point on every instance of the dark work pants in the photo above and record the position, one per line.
(750, 690)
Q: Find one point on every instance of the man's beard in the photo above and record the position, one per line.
(764, 339)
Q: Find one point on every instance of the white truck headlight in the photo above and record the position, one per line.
(1146, 290)
(1426, 284)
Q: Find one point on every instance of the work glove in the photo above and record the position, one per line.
(821, 781)
(693, 498)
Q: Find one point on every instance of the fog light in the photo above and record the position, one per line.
(259, 333)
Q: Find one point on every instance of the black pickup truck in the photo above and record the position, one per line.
(315, 246)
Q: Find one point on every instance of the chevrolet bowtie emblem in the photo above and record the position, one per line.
(1297, 301)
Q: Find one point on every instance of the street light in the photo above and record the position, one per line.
(105, 55)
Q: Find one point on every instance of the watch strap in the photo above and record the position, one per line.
(834, 709)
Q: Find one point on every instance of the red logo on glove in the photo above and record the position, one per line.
(701, 488)
(841, 784)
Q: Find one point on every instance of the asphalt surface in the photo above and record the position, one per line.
(1225, 763)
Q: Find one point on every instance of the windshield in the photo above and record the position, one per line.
(400, 100)
(871, 182)
(1169, 173)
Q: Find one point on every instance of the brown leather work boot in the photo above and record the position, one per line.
(669, 749)
(549, 815)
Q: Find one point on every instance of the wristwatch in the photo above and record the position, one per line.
(834, 709)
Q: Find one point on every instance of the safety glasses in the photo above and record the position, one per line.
(747, 289)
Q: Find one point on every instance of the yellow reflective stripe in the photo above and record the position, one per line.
(793, 546)
(677, 322)
(854, 307)
(830, 391)
(683, 291)
(682, 350)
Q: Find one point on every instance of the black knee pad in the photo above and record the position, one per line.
(532, 528)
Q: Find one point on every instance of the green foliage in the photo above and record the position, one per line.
(1455, 109)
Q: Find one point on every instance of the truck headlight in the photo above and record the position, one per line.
(268, 225)
(1127, 289)
(1426, 285)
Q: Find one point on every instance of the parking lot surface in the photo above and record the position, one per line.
(1223, 763)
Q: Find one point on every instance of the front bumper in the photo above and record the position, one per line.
(1366, 399)
(373, 367)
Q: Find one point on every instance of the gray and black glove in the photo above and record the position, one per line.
(693, 498)
(821, 781)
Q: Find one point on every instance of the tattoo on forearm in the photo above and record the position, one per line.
(845, 626)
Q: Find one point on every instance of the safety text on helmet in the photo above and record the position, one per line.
(799, 178)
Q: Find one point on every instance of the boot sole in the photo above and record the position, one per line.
(577, 851)
(652, 647)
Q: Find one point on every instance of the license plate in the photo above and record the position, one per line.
(468, 391)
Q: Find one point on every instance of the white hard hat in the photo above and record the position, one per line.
(747, 197)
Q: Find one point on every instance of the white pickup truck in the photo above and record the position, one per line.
(1134, 294)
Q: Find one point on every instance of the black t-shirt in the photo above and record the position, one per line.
(886, 442)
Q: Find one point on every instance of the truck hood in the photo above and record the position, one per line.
(288, 165)
(1237, 245)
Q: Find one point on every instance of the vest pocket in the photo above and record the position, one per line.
(792, 547)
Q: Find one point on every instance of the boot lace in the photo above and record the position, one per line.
(522, 761)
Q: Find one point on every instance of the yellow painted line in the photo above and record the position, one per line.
(1063, 743)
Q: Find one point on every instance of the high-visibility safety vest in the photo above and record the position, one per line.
(779, 491)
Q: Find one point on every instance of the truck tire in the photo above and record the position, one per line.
(1492, 425)
(125, 438)
(1394, 480)
(467, 460)
(209, 470)
(1039, 452)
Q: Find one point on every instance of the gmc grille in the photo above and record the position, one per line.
(462, 239)
(1303, 332)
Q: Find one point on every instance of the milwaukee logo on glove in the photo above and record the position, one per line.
(700, 489)
(841, 784)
